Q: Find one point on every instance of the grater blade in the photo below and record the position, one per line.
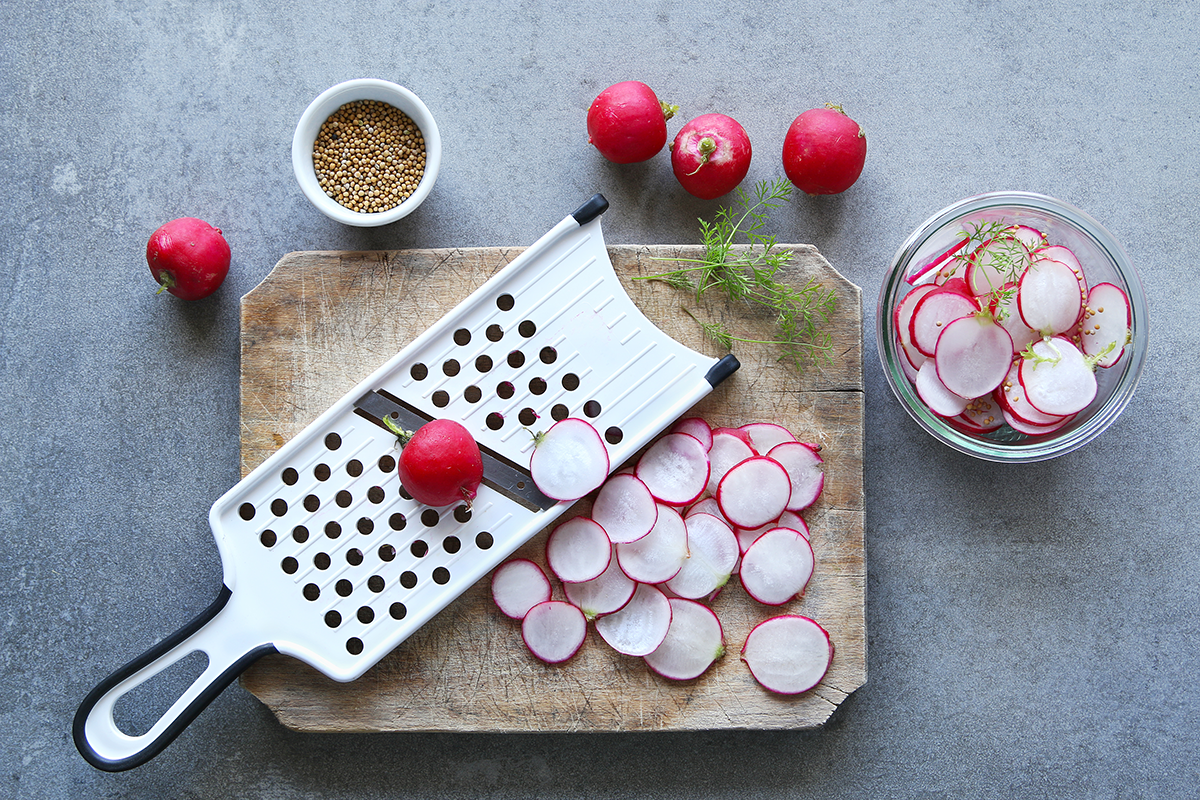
(326, 559)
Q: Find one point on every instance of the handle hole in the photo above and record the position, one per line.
(137, 710)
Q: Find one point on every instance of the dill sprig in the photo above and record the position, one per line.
(1007, 258)
(754, 277)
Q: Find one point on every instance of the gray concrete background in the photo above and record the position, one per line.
(1032, 631)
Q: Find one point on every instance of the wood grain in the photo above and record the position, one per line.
(322, 321)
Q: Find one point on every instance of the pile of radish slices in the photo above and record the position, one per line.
(1003, 328)
(662, 539)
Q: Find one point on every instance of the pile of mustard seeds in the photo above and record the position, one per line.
(369, 156)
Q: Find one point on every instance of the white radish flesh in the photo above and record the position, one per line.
(903, 319)
(625, 508)
(640, 626)
(1011, 396)
(693, 642)
(1010, 317)
(805, 469)
(695, 426)
(1048, 297)
(658, 556)
(675, 469)
(578, 550)
(712, 554)
(728, 450)
(1032, 238)
(603, 595)
(1058, 380)
(569, 460)
(777, 566)
(995, 263)
(754, 492)
(788, 654)
(790, 519)
(708, 505)
(973, 355)
(934, 393)
(765, 435)
(519, 585)
(1104, 329)
(934, 312)
(554, 631)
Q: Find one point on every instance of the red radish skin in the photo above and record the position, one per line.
(694, 641)
(188, 258)
(440, 464)
(519, 585)
(788, 654)
(710, 156)
(554, 631)
(824, 151)
(627, 123)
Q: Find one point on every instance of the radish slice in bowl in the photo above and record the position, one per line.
(788, 654)
(1057, 377)
(973, 354)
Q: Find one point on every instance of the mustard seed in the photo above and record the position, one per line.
(369, 156)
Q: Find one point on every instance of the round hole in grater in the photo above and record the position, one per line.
(343, 498)
(484, 540)
(311, 503)
(408, 579)
(559, 412)
(300, 534)
(451, 367)
(527, 328)
(495, 420)
(570, 381)
(322, 472)
(462, 337)
(397, 521)
(483, 363)
(462, 514)
(418, 548)
(548, 355)
(344, 587)
(537, 386)
(614, 435)
(397, 610)
(365, 525)
(494, 333)
(354, 645)
(527, 416)
(430, 518)
(591, 409)
(386, 463)
(441, 576)
(441, 398)
(267, 538)
(451, 544)
(333, 441)
(333, 618)
(387, 552)
(279, 506)
(376, 583)
(366, 615)
(311, 591)
(505, 390)
(472, 394)
(376, 494)
(246, 511)
(516, 359)
(419, 372)
(322, 561)
(290, 476)
(354, 557)
(505, 302)
(333, 529)
(354, 468)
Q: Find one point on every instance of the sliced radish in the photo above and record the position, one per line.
(519, 585)
(1104, 330)
(603, 595)
(935, 311)
(675, 469)
(695, 426)
(569, 460)
(554, 631)
(578, 550)
(934, 393)
(944, 261)
(640, 626)
(805, 469)
(728, 450)
(1005, 309)
(997, 262)
(708, 505)
(1058, 378)
(973, 355)
(1029, 429)
(1067, 256)
(693, 642)
(788, 654)
(738, 432)
(765, 435)
(777, 566)
(790, 519)
(982, 415)
(1011, 397)
(1032, 238)
(903, 319)
(658, 556)
(1048, 297)
(625, 508)
(746, 536)
(754, 492)
(712, 554)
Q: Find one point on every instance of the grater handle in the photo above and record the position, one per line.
(230, 650)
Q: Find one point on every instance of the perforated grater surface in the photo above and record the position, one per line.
(325, 557)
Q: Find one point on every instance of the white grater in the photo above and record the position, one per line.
(327, 560)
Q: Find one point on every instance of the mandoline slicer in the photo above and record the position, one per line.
(324, 556)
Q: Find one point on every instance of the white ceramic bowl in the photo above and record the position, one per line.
(330, 101)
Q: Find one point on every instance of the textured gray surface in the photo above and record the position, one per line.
(1032, 631)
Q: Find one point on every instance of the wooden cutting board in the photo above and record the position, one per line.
(323, 321)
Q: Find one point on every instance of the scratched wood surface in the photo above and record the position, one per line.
(322, 321)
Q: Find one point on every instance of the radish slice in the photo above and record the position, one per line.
(934, 393)
(569, 460)
(805, 470)
(790, 519)
(973, 355)
(554, 631)
(754, 492)
(1048, 297)
(640, 626)
(746, 536)
(777, 566)
(765, 435)
(788, 654)
(1029, 429)
(982, 415)
(728, 450)
(996, 263)
(1006, 311)
(625, 508)
(738, 432)
(519, 585)
(694, 426)
(1067, 256)
(604, 595)
(1011, 397)
(675, 469)
(1058, 379)
(945, 262)
(1104, 330)
(712, 554)
(578, 550)
(935, 311)
(658, 556)
(693, 642)
(1032, 238)
(903, 318)
(706, 506)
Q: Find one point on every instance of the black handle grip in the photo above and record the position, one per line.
(593, 208)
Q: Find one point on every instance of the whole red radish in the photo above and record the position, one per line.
(627, 123)
(711, 155)
(824, 151)
(188, 257)
(440, 464)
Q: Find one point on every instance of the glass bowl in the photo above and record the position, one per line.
(1103, 260)
(329, 101)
